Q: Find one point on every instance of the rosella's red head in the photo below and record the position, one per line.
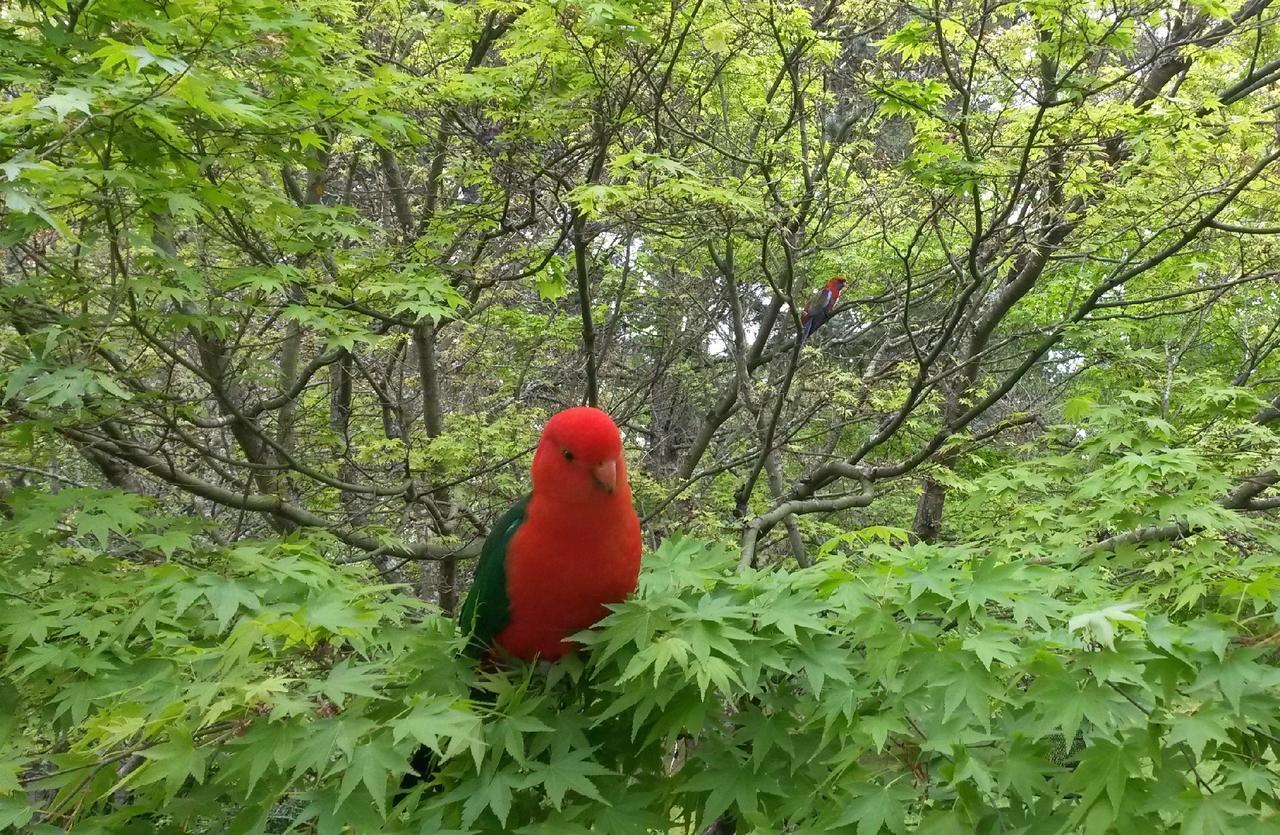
(836, 284)
(579, 458)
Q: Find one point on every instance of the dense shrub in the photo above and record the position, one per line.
(1020, 681)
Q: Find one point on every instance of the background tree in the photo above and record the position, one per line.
(309, 276)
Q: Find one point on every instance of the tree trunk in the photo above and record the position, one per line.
(928, 521)
(424, 342)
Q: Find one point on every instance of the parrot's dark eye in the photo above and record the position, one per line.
(568, 456)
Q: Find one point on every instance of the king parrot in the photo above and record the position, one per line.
(553, 562)
(818, 309)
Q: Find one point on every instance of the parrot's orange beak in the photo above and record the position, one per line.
(606, 474)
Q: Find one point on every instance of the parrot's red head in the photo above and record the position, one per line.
(579, 458)
(836, 284)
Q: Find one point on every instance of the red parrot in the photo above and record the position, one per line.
(819, 307)
(554, 561)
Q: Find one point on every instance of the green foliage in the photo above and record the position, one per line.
(1010, 683)
(287, 286)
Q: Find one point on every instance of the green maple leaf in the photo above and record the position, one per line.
(1198, 729)
(993, 582)
(880, 725)
(372, 763)
(766, 733)
(332, 611)
(1208, 635)
(1220, 814)
(569, 772)
(1238, 673)
(264, 745)
(789, 613)
(1105, 767)
(434, 722)
(345, 680)
(66, 101)
(1100, 623)
(1023, 770)
(552, 282)
(992, 645)
(15, 811)
(98, 525)
(878, 807)
(226, 597)
(719, 779)
(1251, 779)
(493, 793)
(340, 734)
(173, 762)
(972, 686)
(517, 727)
(727, 783)
(168, 542)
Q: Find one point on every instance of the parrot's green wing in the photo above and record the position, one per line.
(487, 610)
